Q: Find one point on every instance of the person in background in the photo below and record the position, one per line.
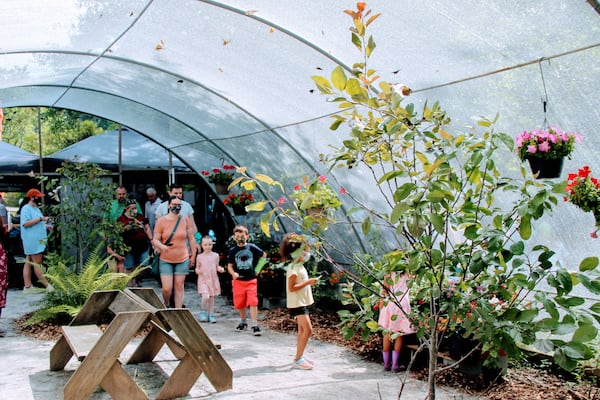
(137, 236)
(393, 318)
(207, 266)
(151, 205)
(114, 211)
(294, 250)
(4, 212)
(34, 237)
(241, 264)
(186, 208)
(171, 236)
(117, 205)
(3, 269)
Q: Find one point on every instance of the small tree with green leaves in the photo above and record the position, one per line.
(82, 193)
(458, 227)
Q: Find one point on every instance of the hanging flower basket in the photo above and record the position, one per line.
(545, 149)
(546, 168)
(220, 177)
(315, 211)
(239, 210)
(238, 202)
(221, 188)
(583, 190)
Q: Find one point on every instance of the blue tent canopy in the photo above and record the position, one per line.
(16, 160)
(138, 152)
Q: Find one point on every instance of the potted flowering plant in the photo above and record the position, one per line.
(238, 202)
(583, 190)
(221, 178)
(315, 196)
(545, 149)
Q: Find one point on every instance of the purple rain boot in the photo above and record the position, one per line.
(395, 359)
(387, 362)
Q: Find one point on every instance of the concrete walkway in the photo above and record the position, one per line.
(261, 365)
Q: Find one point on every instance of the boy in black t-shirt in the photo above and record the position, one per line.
(241, 264)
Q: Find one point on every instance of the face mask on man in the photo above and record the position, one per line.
(175, 209)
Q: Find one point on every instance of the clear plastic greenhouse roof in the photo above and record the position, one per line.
(229, 81)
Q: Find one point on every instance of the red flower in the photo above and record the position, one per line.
(241, 199)
(205, 173)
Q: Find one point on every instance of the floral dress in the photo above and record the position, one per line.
(3, 275)
(206, 268)
(401, 324)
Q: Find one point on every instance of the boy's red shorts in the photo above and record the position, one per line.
(244, 293)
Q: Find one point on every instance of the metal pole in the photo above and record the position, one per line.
(41, 160)
(120, 155)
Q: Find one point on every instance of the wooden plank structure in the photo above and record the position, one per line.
(99, 351)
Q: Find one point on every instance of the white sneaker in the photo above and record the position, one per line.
(302, 364)
(25, 288)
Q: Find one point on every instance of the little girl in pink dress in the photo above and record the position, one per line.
(400, 325)
(207, 266)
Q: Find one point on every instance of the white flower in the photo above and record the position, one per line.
(401, 90)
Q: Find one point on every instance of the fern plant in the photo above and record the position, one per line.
(71, 289)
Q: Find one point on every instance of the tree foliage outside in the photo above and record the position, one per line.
(60, 128)
(462, 230)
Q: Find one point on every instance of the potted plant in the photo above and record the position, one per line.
(316, 197)
(220, 177)
(238, 202)
(545, 149)
(583, 190)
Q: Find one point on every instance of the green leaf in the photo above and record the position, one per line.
(525, 227)
(438, 222)
(335, 125)
(366, 226)
(338, 78)
(373, 325)
(472, 232)
(562, 359)
(588, 264)
(585, 333)
(404, 191)
(370, 46)
(547, 324)
(527, 315)
(517, 248)
(356, 41)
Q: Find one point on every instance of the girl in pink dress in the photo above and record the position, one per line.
(399, 325)
(207, 266)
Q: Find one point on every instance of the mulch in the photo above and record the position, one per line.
(518, 383)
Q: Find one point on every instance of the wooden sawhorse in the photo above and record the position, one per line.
(99, 351)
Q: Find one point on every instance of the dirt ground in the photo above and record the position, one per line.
(519, 383)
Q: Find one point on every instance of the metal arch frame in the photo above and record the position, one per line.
(105, 54)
